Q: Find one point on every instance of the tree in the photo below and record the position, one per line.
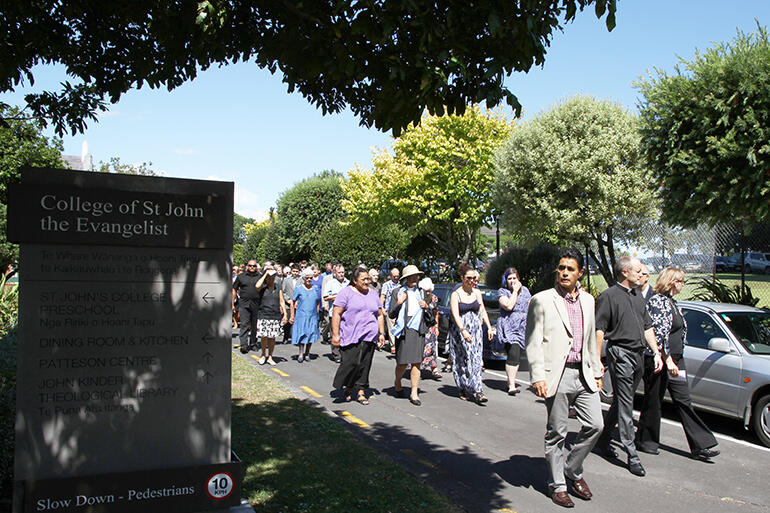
(239, 233)
(303, 211)
(354, 243)
(116, 166)
(386, 61)
(706, 133)
(575, 174)
(255, 233)
(436, 182)
(22, 143)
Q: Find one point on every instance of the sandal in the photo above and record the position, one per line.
(362, 400)
(348, 395)
(436, 375)
(480, 398)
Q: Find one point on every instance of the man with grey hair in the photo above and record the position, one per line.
(385, 293)
(623, 322)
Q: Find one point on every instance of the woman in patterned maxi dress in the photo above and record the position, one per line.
(465, 336)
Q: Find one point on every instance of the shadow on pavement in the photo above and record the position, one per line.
(524, 472)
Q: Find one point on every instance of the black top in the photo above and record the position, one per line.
(676, 338)
(622, 316)
(244, 285)
(468, 307)
(269, 307)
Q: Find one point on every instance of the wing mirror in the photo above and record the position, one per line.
(719, 344)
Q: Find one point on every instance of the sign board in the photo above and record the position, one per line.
(124, 327)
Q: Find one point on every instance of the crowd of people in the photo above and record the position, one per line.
(562, 330)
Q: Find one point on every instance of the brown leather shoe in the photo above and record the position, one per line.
(562, 499)
(580, 489)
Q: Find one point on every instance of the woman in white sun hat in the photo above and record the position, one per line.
(413, 317)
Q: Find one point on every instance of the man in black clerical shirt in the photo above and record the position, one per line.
(622, 320)
(244, 288)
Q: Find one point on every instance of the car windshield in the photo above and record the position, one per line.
(751, 328)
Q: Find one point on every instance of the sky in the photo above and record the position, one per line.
(237, 123)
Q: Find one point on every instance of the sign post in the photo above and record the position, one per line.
(123, 385)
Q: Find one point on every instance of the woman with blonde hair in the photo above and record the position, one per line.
(670, 330)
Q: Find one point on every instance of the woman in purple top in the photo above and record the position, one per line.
(358, 323)
(512, 323)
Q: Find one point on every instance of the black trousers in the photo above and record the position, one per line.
(247, 329)
(287, 327)
(626, 373)
(699, 436)
(353, 371)
(326, 333)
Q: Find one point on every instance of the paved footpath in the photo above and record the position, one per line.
(490, 458)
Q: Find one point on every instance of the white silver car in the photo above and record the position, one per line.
(727, 356)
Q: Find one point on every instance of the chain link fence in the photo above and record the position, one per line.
(725, 263)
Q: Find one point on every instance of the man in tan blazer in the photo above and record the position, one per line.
(566, 371)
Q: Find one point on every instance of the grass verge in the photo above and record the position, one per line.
(298, 459)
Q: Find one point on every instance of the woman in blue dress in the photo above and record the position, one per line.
(512, 324)
(304, 315)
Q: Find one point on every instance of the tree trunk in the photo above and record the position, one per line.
(606, 255)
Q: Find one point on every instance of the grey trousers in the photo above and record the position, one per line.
(626, 369)
(572, 391)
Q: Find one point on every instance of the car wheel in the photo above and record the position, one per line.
(767, 270)
(760, 419)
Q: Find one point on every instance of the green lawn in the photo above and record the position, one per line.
(298, 459)
(758, 283)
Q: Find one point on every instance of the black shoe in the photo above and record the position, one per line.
(244, 349)
(337, 359)
(646, 450)
(400, 393)
(607, 451)
(705, 454)
(636, 468)
(415, 402)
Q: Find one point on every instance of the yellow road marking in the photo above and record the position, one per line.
(429, 464)
(280, 373)
(355, 420)
(311, 391)
(255, 357)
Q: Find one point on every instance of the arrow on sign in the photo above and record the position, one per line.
(208, 356)
(206, 297)
(206, 338)
(207, 376)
